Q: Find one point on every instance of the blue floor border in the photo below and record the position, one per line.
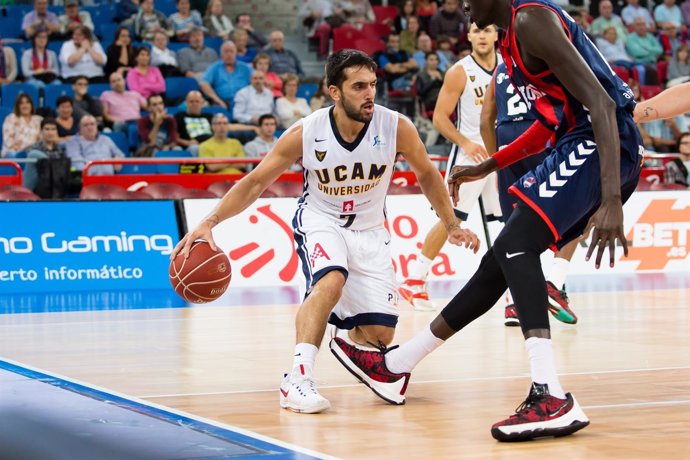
(266, 448)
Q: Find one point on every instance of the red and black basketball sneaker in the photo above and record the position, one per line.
(541, 415)
(511, 316)
(559, 304)
(370, 368)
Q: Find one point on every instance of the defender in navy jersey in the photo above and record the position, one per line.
(505, 110)
(347, 152)
(581, 186)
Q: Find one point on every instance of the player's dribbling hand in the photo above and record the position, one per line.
(201, 232)
(464, 237)
(607, 223)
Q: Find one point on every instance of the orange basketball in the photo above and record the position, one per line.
(203, 276)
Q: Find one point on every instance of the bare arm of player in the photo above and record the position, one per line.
(669, 103)
(454, 83)
(411, 147)
(487, 119)
(551, 48)
(287, 150)
(487, 128)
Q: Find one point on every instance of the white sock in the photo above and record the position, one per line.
(420, 267)
(410, 353)
(558, 272)
(305, 357)
(542, 365)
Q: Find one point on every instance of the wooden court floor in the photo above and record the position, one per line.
(627, 362)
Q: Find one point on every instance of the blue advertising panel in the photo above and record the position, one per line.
(85, 246)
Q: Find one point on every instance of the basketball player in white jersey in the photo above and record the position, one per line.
(463, 90)
(348, 152)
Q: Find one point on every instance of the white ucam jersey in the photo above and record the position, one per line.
(472, 98)
(345, 181)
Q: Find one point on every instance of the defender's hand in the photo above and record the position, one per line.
(467, 173)
(607, 224)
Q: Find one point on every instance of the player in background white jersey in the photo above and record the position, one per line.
(463, 90)
(336, 193)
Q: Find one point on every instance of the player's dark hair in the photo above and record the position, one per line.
(341, 60)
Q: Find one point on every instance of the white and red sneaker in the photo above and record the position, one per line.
(414, 291)
(298, 393)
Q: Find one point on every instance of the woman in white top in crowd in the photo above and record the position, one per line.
(21, 128)
(291, 108)
(39, 64)
(82, 56)
(218, 24)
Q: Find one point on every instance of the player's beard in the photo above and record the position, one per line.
(355, 113)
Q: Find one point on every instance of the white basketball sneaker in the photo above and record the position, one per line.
(414, 291)
(298, 393)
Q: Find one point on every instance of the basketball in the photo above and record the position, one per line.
(203, 276)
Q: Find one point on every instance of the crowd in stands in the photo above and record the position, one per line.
(244, 86)
(102, 81)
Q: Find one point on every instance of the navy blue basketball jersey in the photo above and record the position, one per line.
(554, 106)
(513, 116)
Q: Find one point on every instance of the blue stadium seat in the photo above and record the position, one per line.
(52, 92)
(133, 135)
(11, 91)
(171, 168)
(136, 45)
(120, 140)
(55, 46)
(172, 111)
(96, 89)
(177, 46)
(178, 87)
(100, 14)
(214, 109)
(106, 31)
(11, 26)
(214, 43)
(307, 90)
(167, 7)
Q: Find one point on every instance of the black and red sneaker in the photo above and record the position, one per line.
(541, 415)
(370, 368)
